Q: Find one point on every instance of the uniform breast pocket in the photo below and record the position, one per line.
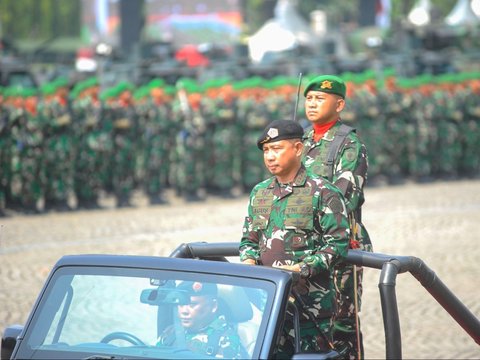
(301, 228)
(299, 223)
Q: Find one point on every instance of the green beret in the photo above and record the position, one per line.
(48, 89)
(141, 92)
(156, 83)
(195, 288)
(280, 130)
(170, 90)
(327, 83)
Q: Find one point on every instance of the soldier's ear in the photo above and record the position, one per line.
(340, 104)
(298, 148)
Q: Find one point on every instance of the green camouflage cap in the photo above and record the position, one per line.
(327, 83)
(280, 130)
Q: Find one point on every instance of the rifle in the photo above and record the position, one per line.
(304, 306)
(298, 96)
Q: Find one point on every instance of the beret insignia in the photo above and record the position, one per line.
(326, 85)
(272, 133)
(280, 130)
(350, 155)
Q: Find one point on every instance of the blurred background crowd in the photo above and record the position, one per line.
(155, 95)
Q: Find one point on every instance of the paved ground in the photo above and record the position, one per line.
(437, 222)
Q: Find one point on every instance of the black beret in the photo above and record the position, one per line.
(195, 288)
(280, 130)
(327, 83)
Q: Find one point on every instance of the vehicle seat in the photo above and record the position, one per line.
(248, 330)
(237, 308)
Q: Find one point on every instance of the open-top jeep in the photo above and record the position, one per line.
(116, 307)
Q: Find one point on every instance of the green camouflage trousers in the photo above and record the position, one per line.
(344, 333)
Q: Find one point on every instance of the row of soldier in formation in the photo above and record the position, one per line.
(81, 141)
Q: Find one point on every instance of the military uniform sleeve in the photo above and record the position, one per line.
(332, 222)
(351, 173)
(249, 248)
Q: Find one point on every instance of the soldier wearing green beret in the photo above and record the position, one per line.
(309, 239)
(90, 143)
(25, 173)
(59, 142)
(190, 157)
(4, 160)
(206, 330)
(157, 139)
(333, 151)
(125, 132)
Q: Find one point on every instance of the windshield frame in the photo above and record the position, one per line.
(61, 277)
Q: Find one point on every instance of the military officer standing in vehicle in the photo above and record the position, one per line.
(333, 151)
(298, 222)
(206, 331)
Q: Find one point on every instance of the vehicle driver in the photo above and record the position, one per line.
(206, 330)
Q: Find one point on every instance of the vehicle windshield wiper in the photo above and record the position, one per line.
(103, 357)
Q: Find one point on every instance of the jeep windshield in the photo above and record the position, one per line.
(113, 312)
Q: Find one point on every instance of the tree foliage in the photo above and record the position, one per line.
(40, 19)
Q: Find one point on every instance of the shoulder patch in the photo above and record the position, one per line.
(335, 205)
(350, 154)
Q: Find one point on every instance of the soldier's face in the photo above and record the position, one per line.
(198, 313)
(282, 158)
(322, 108)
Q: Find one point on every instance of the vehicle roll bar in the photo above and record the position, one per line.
(390, 266)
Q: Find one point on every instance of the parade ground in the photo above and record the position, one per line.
(438, 222)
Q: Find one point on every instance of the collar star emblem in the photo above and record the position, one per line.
(326, 85)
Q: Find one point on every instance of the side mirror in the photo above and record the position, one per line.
(9, 340)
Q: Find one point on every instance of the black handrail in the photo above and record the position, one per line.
(391, 266)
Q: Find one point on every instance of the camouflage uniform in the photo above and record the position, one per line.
(4, 156)
(423, 109)
(59, 154)
(372, 125)
(124, 135)
(88, 161)
(254, 116)
(446, 148)
(277, 231)
(349, 175)
(225, 159)
(219, 340)
(470, 134)
(27, 171)
(190, 159)
(395, 145)
(156, 140)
